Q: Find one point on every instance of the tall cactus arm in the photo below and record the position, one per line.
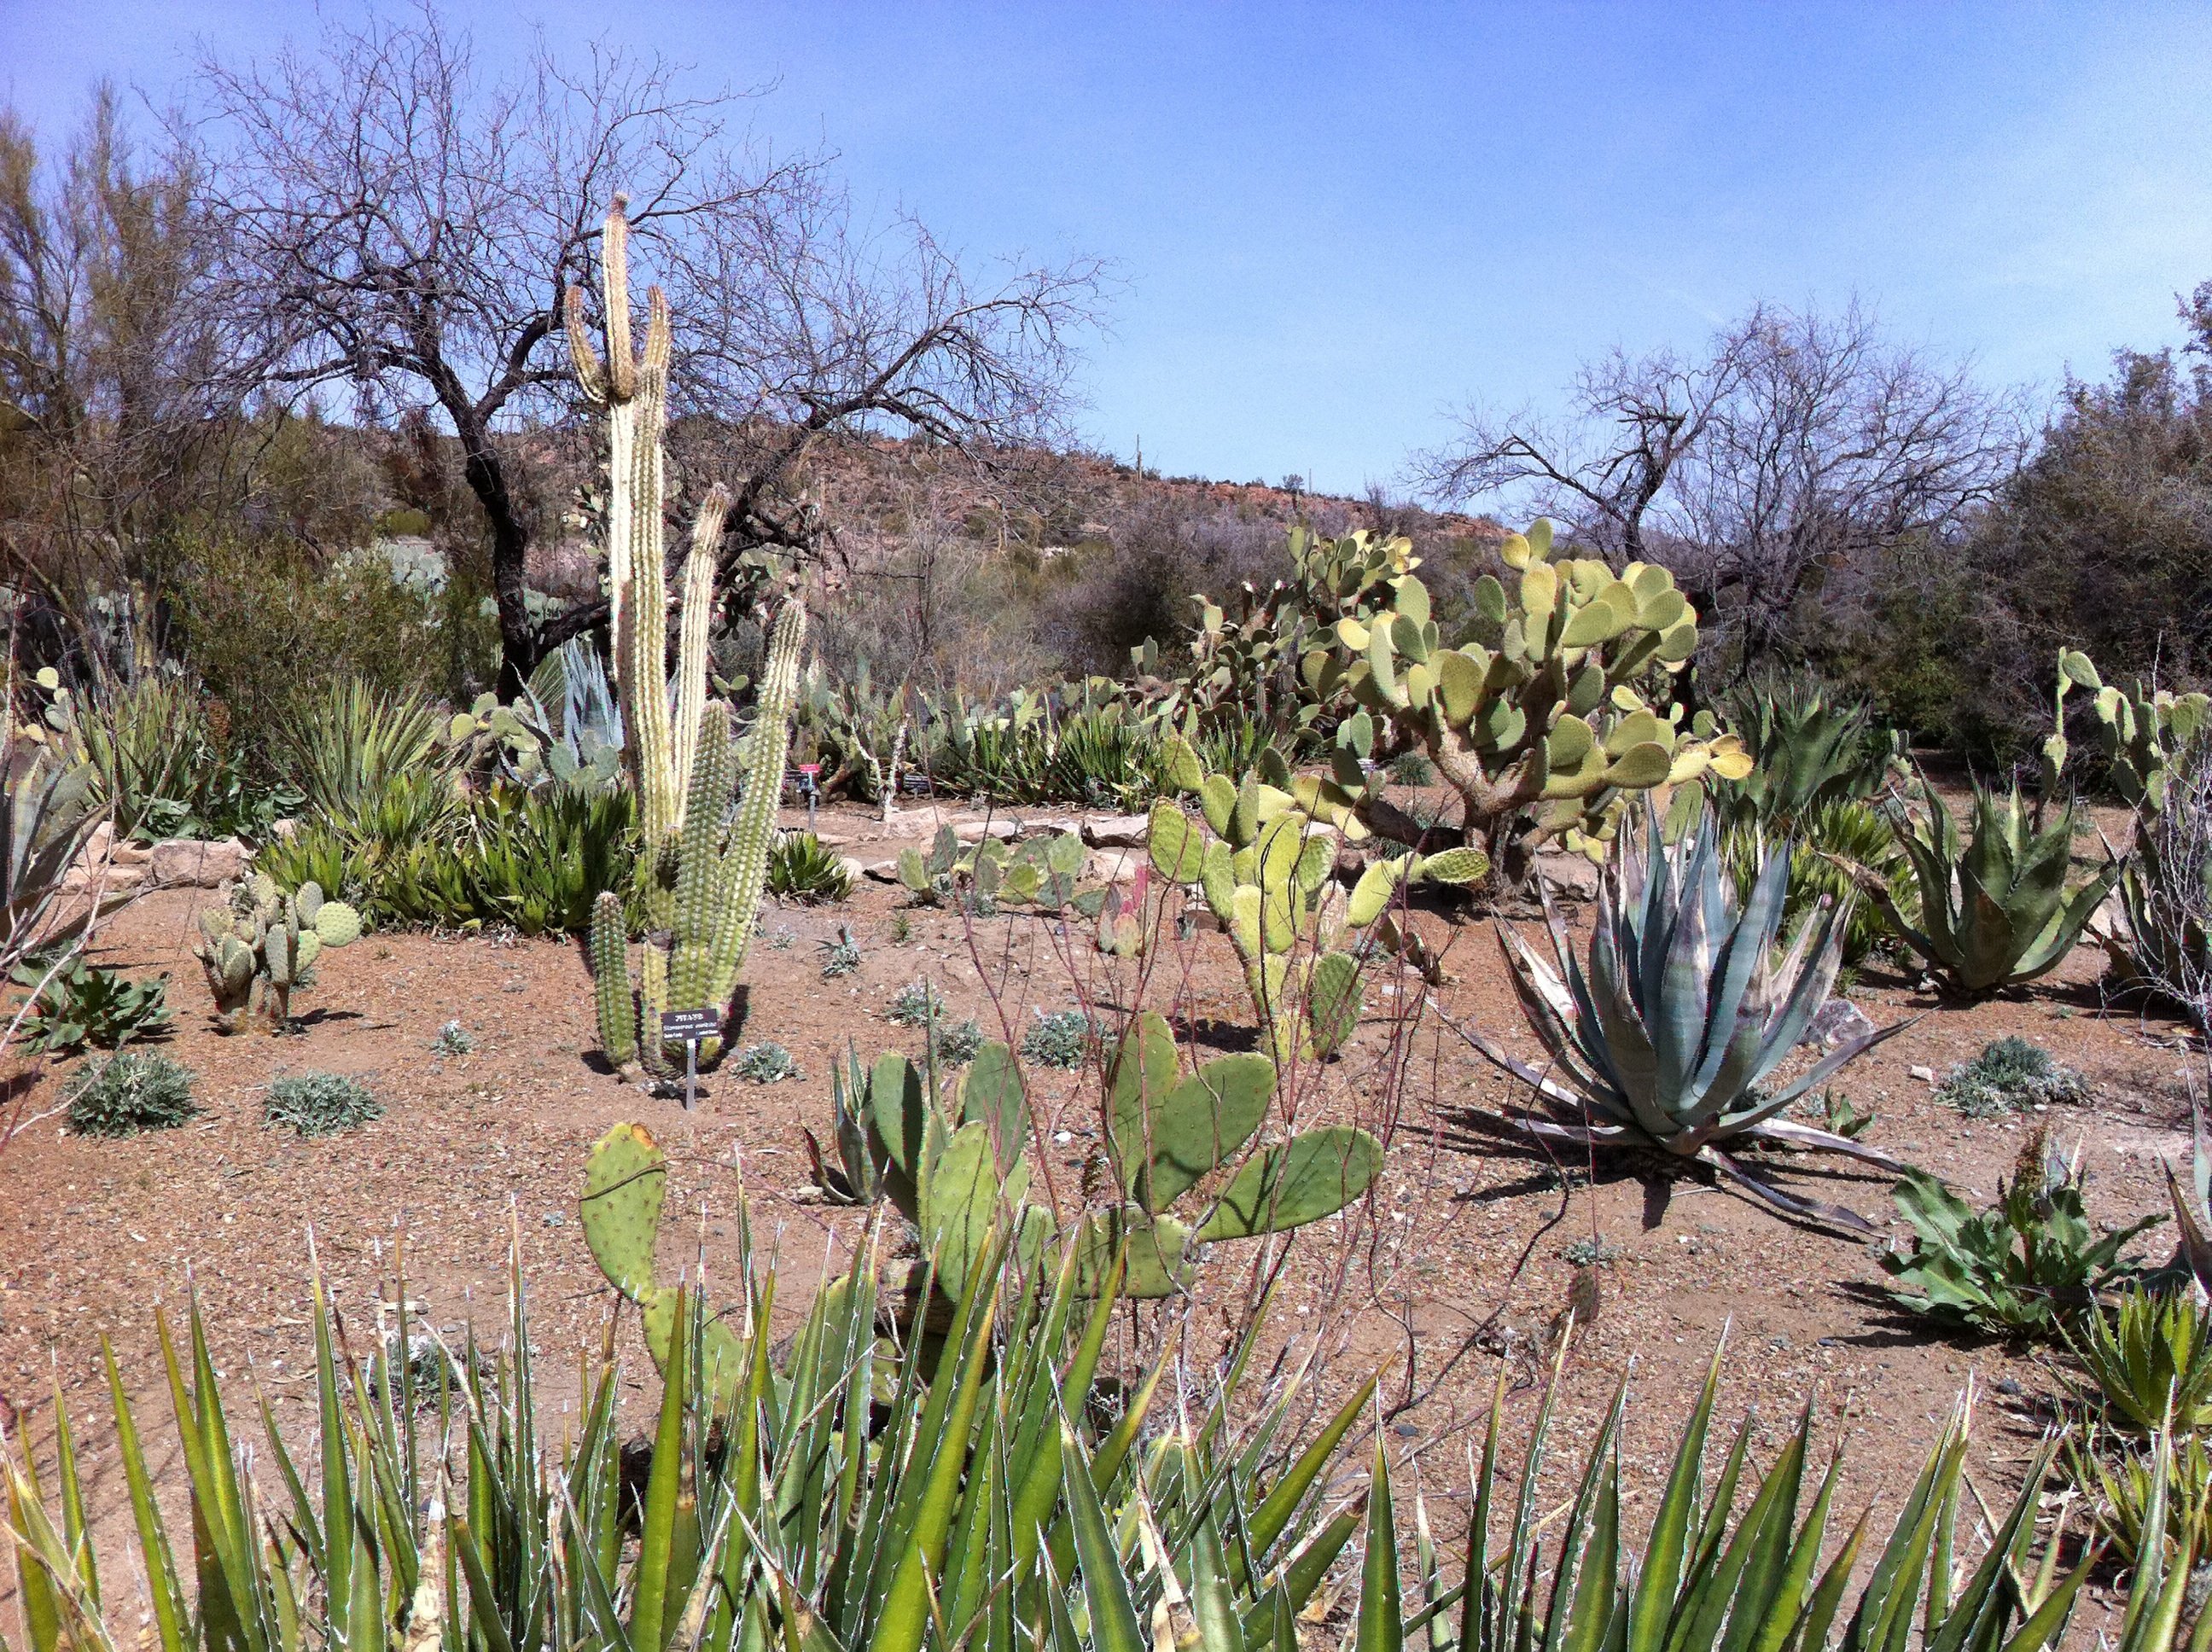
(754, 830)
(700, 883)
(610, 988)
(698, 613)
(644, 682)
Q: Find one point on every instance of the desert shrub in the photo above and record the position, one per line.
(918, 1004)
(162, 763)
(1060, 1039)
(346, 742)
(841, 957)
(320, 1103)
(129, 1091)
(75, 1004)
(1413, 768)
(453, 1039)
(270, 626)
(765, 1064)
(801, 868)
(956, 1045)
(2027, 1266)
(2010, 1076)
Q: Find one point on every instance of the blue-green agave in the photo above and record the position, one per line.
(1666, 1037)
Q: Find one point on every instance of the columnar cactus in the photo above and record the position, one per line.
(701, 874)
(1539, 719)
(261, 943)
(1265, 874)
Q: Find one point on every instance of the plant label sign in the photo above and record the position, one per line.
(687, 1028)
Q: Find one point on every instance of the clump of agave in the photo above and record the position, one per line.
(1667, 1036)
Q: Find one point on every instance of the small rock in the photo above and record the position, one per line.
(2008, 1386)
(1837, 1022)
(1117, 831)
(883, 872)
(855, 868)
(1925, 1075)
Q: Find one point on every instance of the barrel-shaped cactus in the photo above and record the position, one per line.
(1545, 719)
(704, 865)
(262, 943)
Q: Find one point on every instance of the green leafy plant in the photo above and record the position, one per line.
(2149, 1360)
(1039, 872)
(841, 957)
(453, 1039)
(1809, 751)
(765, 1064)
(344, 745)
(1665, 1035)
(319, 1103)
(1060, 1038)
(129, 1091)
(74, 1003)
(800, 867)
(1996, 912)
(704, 843)
(2025, 1267)
(2010, 1075)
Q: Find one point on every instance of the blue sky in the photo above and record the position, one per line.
(1332, 223)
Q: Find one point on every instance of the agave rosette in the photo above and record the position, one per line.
(1666, 1037)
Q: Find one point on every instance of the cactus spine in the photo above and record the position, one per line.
(701, 871)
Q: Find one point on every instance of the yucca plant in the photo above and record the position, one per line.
(1808, 749)
(2149, 1360)
(1996, 912)
(2116, 1475)
(347, 742)
(801, 868)
(831, 1490)
(1666, 1037)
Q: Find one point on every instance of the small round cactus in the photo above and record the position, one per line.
(338, 924)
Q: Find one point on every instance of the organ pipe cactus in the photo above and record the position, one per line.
(1539, 719)
(1666, 1036)
(262, 943)
(703, 866)
(1996, 912)
(1265, 872)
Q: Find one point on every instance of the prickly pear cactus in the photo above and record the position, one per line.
(1539, 718)
(263, 943)
(1265, 868)
(625, 1184)
(952, 1156)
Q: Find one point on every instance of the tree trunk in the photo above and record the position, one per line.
(520, 649)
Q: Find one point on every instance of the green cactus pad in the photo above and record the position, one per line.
(625, 1179)
(991, 1094)
(1166, 1148)
(337, 924)
(1314, 1175)
(1158, 1263)
(1461, 866)
(1377, 888)
(1333, 1001)
(961, 1198)
(1178, 853)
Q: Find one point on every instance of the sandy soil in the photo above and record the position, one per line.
(1459, 1271)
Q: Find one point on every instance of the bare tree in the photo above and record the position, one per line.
(405, 224)
(1796, 446)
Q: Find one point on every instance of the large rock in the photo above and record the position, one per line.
(193, 863)
(1572, 875)
(1117, 831)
